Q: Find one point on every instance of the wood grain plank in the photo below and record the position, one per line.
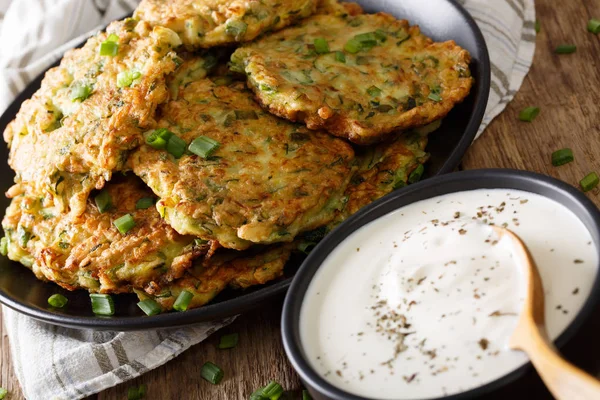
(564, 86)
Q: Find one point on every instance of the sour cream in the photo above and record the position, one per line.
(421, 302)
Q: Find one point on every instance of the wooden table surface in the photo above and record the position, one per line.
(565, 87)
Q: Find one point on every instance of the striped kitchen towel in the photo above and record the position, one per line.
(59, 363)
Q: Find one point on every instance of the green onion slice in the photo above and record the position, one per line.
(562, 156)
(144, 203)
(236, 28)
(528, 114)
(137, 393)
(416, 175)
(183, 301)
(321, 46)
(565, 49)
(340, 57)
(245, 114)
(102, 304)
(4, 246)
(306, 395)
(125, 223)
(203, 146)
(212, 373)
(57, 300)
(589, 182)
(150, 307)
(229, 341)
(593, 26)
(374, 91)
(80, 91)
(353, 46)
(103, 201)
(538, 26)
(272, 391)
(126, 78)
(109, 48)
(158, 138)
(435, 97)
(176, 146)
(3, 393)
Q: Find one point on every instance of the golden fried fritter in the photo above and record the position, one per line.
(209, 23)
(88, 251)
(360, 77)
(236, 269)
(90, 111)
(267, 181)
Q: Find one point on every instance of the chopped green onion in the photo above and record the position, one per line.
(126, 78)
(380, 35)
(272, 391)
(565, 49)
(3, 393)
(158, 138)
(416, 175)
(593, 25)
(236, 28)
(538, 26)
(200, 242)
(562, 156)
(109, 48)
(203, 146)
(212, 373)
(4, 246)
(103, 201)
(183, 301)
(305, 246)
(144, 203)
(361, 60)
(80, 92)
(229, 341)
(57, 300)
(374, 91)
(435, 97)
(112, 38)
(102, 304)
(150, 307)
(125, 223)
(353, 46)
(306, 395)
(589, 182)
(340, 56)
(176, 146)
(137, 393)
(245, 114)
(321, 46)
(528, 114)
(257, 395)
(24, 235)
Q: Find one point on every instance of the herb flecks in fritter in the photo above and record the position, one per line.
(90, 111)
(248, 177)
(89, 251)
(209, 23)
(380, 75)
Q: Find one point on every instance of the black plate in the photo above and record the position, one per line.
(20, 290)
(545, 186)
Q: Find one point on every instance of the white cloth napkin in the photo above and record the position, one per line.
(58, 363)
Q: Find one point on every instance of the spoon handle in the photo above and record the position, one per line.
(563, 379)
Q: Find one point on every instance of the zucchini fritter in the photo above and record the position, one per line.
(88, 251)
(236, 269)
(267, 181)
(209, 23)
(358, 76)
(90, 111)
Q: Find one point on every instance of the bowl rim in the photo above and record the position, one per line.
(245, 301)
(543, 185)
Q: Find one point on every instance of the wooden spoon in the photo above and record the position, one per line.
(563, 379)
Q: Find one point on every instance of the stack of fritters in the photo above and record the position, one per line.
(276, 171)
